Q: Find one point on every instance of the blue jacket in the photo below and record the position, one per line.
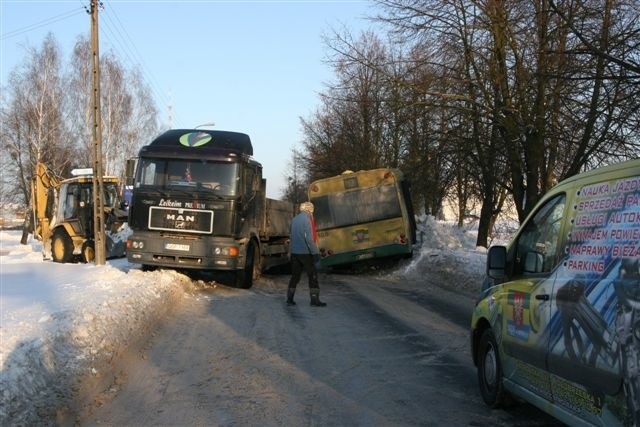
(302, 235)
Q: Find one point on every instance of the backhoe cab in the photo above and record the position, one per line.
(63, 215)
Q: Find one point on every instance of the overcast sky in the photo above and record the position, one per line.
(248, 66)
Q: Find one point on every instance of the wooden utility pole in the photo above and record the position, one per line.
(98, 189)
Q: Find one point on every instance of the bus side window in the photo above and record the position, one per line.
(537, 249)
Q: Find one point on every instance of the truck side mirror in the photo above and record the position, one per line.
(497, 262)
(130, 171)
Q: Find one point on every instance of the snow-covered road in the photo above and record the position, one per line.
(60, 324)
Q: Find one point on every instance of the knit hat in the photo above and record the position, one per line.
(306, 207)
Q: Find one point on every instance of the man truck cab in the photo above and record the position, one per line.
(558, 322)
(199, 203)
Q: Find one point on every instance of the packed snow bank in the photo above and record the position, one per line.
(448, 254)
(62, 324)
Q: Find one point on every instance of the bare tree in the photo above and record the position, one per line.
(46, 116)
(297, 181)
(142, 125)
(549, 85)
(79, 85)
(33, 116)
(483, 98)
(129, 114)
(116, 112)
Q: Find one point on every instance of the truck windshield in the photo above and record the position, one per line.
(206, 175)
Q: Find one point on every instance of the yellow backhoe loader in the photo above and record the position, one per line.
(63, 215)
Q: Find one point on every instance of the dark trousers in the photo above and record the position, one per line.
(300, 262)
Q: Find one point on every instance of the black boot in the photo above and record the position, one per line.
(290, 293)
(315, 301)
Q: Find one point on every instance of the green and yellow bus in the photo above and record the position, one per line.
(363, 215)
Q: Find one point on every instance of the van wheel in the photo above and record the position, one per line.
(490, 370)
(251, 270)
(61, 246)
(88, 251)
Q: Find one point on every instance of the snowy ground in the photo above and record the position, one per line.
(60, 324)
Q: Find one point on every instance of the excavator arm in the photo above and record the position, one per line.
(42, 184)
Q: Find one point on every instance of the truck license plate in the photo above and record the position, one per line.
(176, 247)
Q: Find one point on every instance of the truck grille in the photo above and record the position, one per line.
(182, 220)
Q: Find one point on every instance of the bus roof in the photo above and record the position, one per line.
(349, 180)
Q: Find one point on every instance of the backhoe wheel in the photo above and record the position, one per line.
(88, 251)
(61, 246)
(490, 371)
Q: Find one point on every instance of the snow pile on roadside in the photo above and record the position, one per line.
(62, 324)
(449, 251)
(444, 235)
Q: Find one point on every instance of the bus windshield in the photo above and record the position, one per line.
(218, 177)
(356, 207)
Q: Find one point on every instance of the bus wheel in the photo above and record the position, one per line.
(251, 270)
(88, 251)
(490, 370)
(61, 246)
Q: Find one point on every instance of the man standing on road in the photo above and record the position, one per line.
(304, 252)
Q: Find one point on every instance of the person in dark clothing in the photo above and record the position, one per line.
(304, 252)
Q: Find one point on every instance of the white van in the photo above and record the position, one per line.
(558, 322)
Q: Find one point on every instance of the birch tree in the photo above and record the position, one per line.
(34, 126)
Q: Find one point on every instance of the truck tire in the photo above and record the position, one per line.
(88, 251)
(251, 270)
(490, 370)
(61, 246)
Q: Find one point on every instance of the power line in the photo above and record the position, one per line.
(126, 49)
(42, 23)
(115, 27)
(123, 39)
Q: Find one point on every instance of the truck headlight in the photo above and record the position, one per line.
(135, 244)
(226, 251)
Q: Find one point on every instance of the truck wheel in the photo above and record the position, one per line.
(251, 270)
(61, 246)
(88, 251)
(490, 370)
